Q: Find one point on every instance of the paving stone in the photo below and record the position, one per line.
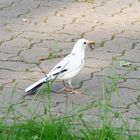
(103, 55)
(119, 45)
(5, 36)
(97, 63)
(134, 109)
(14, 66)
(17, 42)
(93, 87)
(30, 56)
(5, 56)
(9, 97)
(131, 84)
(132, 55)
(31, 31)
(132, 35)
(134, 74)
(124, 97)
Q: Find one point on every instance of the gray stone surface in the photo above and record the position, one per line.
(30, 31)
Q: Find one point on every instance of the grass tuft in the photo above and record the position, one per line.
(36, 130)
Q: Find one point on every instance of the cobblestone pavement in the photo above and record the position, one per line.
(33, 30)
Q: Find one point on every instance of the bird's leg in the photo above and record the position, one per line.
(71, 88)
(64, 87)
(69, 82)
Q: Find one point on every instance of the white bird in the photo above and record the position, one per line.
(67, 68)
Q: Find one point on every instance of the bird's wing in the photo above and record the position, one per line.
(67, 65)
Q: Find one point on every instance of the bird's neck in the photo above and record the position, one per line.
(80, 52)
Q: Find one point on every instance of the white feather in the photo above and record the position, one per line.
(67, 68)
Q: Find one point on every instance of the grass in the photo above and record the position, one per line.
(72, 126)
(36, 130)
(60, 130)
(109, 133)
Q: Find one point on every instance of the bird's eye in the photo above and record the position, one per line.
(85, 42)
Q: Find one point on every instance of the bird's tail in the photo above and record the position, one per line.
(34, 87)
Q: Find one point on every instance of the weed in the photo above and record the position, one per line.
(64, 127)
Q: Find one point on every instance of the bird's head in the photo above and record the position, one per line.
(81, 44)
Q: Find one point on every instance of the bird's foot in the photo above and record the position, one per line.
(75, 91)
(64, 89)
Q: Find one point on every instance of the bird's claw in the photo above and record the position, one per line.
(74, 92)
(64, 89)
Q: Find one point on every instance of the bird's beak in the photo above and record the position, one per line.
(91, 44)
